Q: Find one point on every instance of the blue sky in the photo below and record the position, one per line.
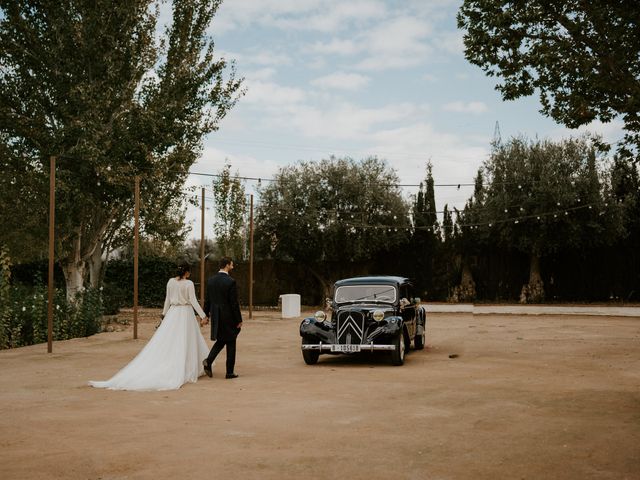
(359, 78)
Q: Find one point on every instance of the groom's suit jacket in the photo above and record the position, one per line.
(222, 307)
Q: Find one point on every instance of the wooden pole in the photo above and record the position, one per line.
(136, 233)
(52, 238)
(251, 259)
(202, 254)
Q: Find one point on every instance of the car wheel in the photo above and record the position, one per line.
(419, 340)
(310, 356)
(397, 355)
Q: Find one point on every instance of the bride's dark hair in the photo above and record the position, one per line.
(183, 268)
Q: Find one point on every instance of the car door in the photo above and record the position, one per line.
(409, 311)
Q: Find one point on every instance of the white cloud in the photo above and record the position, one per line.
(314, 15)
(342, 81)
(271, 94)
(336, 46)
(611, 132)
(450, 42)
(261, 74)
(399, 42)
(469, 107)
(344, 121)
(262, 58)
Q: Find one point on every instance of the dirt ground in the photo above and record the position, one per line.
(527, 397)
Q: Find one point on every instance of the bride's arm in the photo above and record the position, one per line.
(194, 301)
(167, 302)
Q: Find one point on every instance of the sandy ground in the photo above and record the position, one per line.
(544, 397)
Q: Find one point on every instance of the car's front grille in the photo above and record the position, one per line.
(350, 327)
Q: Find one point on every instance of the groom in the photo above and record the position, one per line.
(222, 306)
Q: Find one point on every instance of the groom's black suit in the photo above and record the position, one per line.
(222, 307)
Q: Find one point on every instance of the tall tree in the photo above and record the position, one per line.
(89, 83)
(229, 209)
(425, 240)
(336, 210)
(582, 57)
(470, 239)
(544, 197)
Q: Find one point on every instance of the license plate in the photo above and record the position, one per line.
(345, 348)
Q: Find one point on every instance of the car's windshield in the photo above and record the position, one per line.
(365, 293)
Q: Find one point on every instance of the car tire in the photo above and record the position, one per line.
(310, 356)
(397, 355)
(419, 340)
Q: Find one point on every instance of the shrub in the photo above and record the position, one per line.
(23, 317)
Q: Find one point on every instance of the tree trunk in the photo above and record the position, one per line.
(74, 278)
(74, 267)
(326, 285)
(96, 267)
(533, 292)
(466, 291)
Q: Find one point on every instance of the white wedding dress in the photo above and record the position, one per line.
(174, 355)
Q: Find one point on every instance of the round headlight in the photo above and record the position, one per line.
(378, 315)
(320, 316)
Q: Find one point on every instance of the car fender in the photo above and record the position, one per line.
(421, 322)
(315, 331)
(389, 327)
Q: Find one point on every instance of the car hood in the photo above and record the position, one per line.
(365, 307)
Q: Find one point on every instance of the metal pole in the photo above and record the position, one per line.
(202, 254)
(52, 221)
(136, 233)
(251, 259)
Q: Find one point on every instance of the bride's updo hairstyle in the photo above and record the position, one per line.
(183, 268)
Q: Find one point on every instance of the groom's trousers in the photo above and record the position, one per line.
(231, 353)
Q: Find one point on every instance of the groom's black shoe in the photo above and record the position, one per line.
(207, 368)
(231, 375)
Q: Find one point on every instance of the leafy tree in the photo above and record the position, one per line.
(543, 197)
(336, 210)
(582, 57)
(89, 83)
(230, 208)
(425, 240)
(469, 240)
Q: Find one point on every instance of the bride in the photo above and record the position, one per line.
(174, 354)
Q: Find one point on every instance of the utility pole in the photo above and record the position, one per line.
(52, 238)
(136, 216)
(202, 263)
(251, 258)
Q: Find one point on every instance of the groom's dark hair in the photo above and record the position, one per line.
(224, 261)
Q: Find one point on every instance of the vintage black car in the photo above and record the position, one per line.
(368, 314)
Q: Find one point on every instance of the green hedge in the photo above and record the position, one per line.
(153, 274)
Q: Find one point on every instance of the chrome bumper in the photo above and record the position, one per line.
(336, 348)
